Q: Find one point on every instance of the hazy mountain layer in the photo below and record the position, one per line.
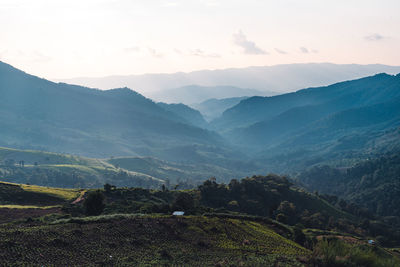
(278, 78)
(60, 117)
(213, 108)
(194, 94)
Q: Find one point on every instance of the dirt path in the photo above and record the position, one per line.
(80, 198)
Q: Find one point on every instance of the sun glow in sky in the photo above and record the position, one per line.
(70, 38)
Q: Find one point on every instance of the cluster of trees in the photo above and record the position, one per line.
(269, 196)
(372, 184)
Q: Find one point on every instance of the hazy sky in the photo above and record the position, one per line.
(70, 38)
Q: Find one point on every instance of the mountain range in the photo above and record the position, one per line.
(192, 94)
(36, 113)
(337, 119)
(335, 124)
(277, 78)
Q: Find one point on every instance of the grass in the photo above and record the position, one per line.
(27, 207)
(336, 252)
(139, 240)
(63, 193)
(66, 194)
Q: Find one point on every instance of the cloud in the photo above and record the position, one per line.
(280, 51)
(154, 52)
(197, 53)
(201, 53)
(304, 50)
(249, 47)
(374, 37)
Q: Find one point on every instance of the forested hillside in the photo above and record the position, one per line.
(36, 113)
(373, 184)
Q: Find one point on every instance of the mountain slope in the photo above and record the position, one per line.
(213, 108)
(188, 114)
(365, 91)
(338, 124)
(373, 184)
(68, 171)
(74, 119)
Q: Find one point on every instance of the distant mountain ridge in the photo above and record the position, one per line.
(277, 78)
(192, 94)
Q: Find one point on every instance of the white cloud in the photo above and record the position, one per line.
(304, 50)
(249, 47)
(280, 51)
(374, 37)
(154, 53)
(201, 53)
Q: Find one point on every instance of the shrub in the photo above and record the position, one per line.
(94, 203)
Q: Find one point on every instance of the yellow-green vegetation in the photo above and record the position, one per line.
(129, 240)
(337, 252)
(31, 196)
(264, 238)
(69, 171)
(67, 194)
(27, 207)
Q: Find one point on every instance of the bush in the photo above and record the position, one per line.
(94, 203)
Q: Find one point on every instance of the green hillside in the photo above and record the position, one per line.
(62, 170)
(136, 228)
(39, 114)
(373, 184)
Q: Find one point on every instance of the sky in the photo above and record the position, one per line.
(59, 39)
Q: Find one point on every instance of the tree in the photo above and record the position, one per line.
(94, 203)
(107, 188)
(184, 201)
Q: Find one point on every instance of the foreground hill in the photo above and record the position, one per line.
(131, 233)
(142, 241)
(67, 118)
